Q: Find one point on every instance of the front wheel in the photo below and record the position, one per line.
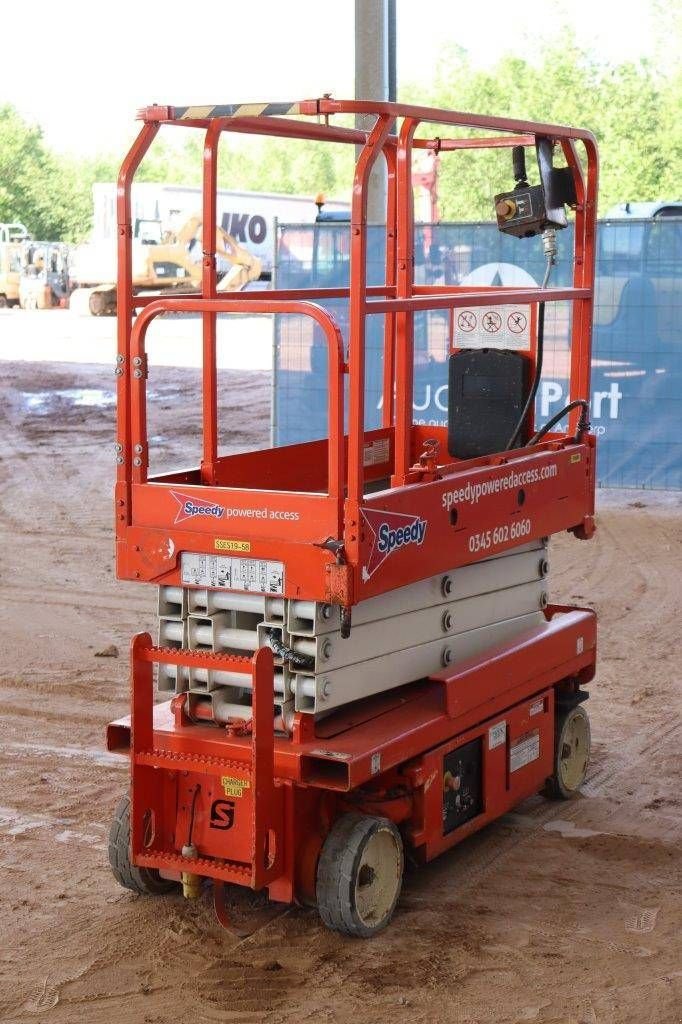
(360, 875)
(572, 754)
(145, 881)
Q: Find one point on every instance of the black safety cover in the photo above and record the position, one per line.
(487, 392)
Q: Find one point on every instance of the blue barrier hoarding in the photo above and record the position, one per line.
(636, 400)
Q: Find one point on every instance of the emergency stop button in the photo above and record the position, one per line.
(506, 208)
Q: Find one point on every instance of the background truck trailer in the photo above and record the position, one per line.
(249, 217)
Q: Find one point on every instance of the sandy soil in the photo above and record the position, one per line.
(558, 913)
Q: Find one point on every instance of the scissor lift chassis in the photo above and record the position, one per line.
(316, 803)
(386, 757)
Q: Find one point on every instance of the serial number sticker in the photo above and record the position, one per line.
(524, 750)
(233, 786)
(497, 734)
(217, 572)
(488, 539)
(537, 708)
(220, 544)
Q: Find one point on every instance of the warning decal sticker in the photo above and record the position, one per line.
(493, 327)
(376, 452)
(524, 750)
(218, 572)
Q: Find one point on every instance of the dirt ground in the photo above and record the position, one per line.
(558, 913)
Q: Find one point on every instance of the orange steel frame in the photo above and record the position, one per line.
(312, 516)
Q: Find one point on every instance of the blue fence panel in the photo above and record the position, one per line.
(636, 400)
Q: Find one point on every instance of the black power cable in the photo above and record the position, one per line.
(287, 653)
(583, 422)
(530, 401)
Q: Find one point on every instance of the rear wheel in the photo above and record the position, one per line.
(572, 754)
(146, 881)
(359, 875)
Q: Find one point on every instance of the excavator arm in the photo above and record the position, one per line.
(244, 266)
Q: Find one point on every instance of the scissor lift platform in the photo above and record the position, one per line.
(314, 733)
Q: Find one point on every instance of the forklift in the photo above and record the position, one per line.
(44, 281)
(357, 658)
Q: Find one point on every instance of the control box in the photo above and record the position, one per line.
(523, 212)
(462, 785)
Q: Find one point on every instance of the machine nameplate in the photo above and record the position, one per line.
(219, 572)
(524, 750)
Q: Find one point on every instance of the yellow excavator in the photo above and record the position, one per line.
(162, 259)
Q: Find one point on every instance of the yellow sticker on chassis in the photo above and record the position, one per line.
(233, 786)
(220, 544)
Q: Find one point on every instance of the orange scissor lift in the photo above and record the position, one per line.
(354, 632)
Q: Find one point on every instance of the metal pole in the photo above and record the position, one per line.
(375, 80)
(391, 55)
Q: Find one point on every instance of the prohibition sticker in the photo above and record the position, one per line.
(492, 321)
(466, 321)
(493, 327)
(517, 322)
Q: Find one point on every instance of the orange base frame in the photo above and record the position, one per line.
(257, 807)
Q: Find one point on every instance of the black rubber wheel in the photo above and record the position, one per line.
(146, 881)
(3, 302)
(359, 875)
(571, 755)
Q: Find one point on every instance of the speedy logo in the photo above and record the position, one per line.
(389, 531)
(190, 507)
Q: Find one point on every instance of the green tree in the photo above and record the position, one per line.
(632, 109)
(49, 195)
